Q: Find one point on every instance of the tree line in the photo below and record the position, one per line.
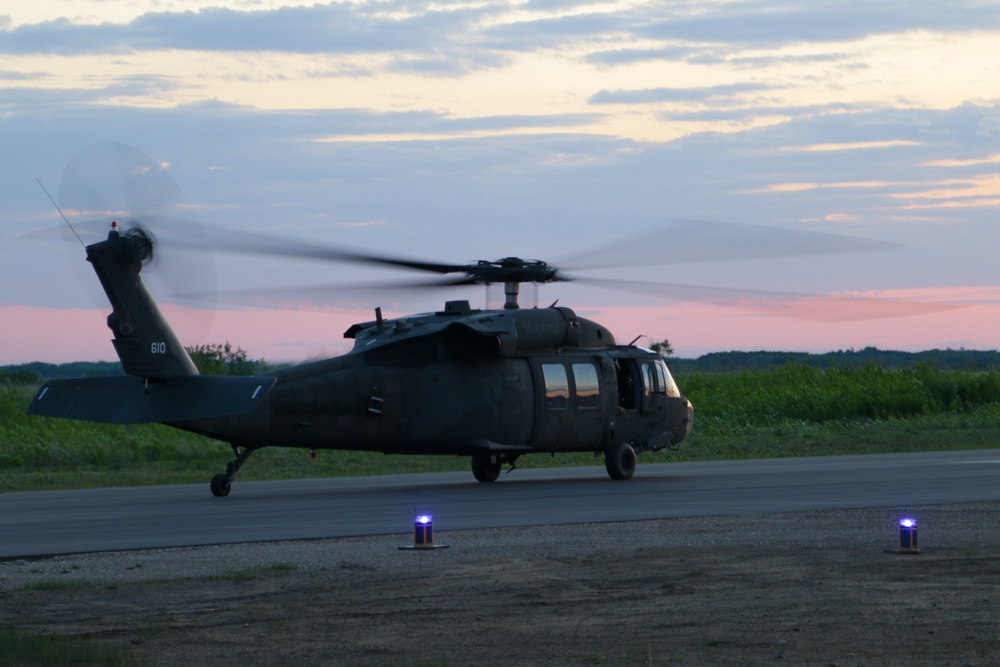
(225, 359)
(948, 359)
(210, 359)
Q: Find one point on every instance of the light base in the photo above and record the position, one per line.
(430, 547)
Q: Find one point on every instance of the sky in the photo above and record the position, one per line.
(544, 129)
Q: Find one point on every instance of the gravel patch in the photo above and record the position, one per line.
(941, 528)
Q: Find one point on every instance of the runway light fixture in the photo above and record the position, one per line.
(423, 534)
(908, 542)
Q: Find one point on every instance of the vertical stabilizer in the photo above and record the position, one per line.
(145, 343)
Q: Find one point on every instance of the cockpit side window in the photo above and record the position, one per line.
(648, 387)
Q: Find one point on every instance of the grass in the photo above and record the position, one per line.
(22, 648)
(56, 585)
(791, 410)
(252, 573)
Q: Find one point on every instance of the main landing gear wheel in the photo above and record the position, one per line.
(221, 484)
(620, 461)
(485, 468)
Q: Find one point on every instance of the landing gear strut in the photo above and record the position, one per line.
(222, 482)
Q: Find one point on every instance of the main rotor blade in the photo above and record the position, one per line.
(696, 241)
(329, 294)
(817, 307)
(677, 242)
(252, 243)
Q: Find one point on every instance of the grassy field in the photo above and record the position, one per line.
(792, 410)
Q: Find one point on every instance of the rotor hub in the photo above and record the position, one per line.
(512, 270)
(139, 244)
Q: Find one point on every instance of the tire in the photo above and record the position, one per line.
(221, 484)
(485, 468)
(620, 461)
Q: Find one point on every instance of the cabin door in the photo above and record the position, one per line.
(570, 397)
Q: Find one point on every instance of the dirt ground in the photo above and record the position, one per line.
(709, 598)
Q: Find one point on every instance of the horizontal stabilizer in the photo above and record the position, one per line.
(132, 400)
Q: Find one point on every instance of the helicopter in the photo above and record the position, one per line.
(490, 384)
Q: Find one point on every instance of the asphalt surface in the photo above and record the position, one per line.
(94, 520)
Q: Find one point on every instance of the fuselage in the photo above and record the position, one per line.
(467, 382)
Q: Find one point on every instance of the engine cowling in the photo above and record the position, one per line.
(504, 334)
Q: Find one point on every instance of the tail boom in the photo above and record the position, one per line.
(132, 400)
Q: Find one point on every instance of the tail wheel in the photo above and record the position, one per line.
(485, 468)
(620, 461)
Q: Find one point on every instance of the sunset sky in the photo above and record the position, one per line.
(460, 131)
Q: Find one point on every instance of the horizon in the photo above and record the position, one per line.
(672, 357)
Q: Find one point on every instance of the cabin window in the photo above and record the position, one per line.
(556, 386)
(588, 388)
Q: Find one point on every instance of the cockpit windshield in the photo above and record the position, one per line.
(666, 381)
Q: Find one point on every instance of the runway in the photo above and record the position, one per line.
(63, 522)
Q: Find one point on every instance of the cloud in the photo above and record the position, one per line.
(762, 22)
(479, 30)
(442, 128)
(6, 75)
(628, 56)
(802, 186)
(654, 95)
(757, 62)
(853, 145)
(553, 5)
(330, 28)
(990, 124)
(738, 111)
(971, 162)
(710, 55)
(532, 31)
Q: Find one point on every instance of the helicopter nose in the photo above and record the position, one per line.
(681, 418)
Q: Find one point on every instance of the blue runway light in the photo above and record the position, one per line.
(908, 536)
(423, 532)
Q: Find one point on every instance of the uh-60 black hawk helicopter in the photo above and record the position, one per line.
(490, 384)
